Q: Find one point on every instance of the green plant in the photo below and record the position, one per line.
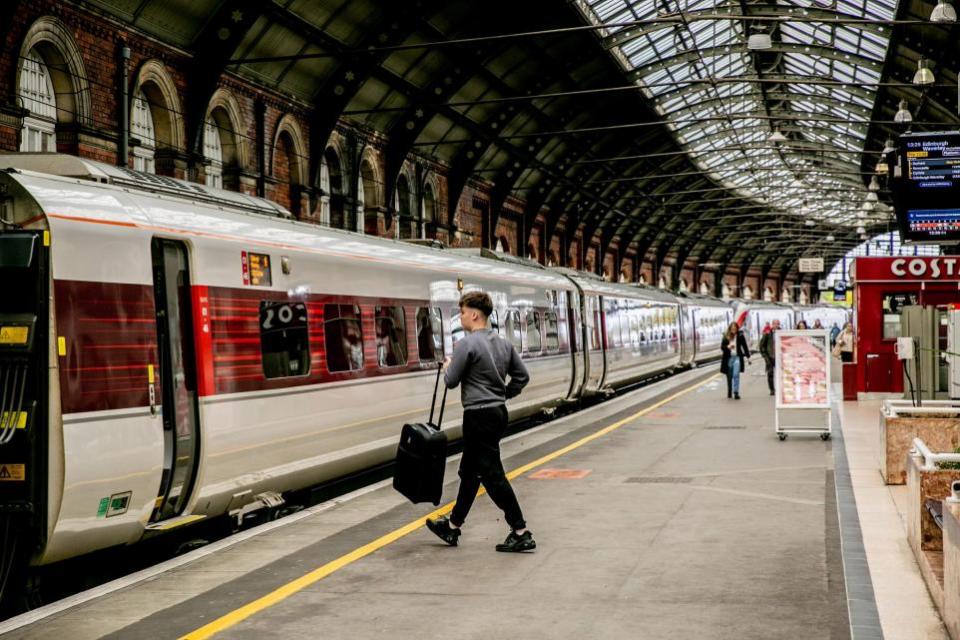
(951, 465)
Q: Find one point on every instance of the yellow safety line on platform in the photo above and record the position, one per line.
(238, 615)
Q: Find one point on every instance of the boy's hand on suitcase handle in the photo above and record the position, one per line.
(446, 364)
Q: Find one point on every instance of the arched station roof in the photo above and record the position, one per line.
(652, 124)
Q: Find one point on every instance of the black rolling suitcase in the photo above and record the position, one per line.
(422, 455)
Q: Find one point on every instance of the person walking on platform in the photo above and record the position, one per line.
(481, 361)
(768, 352)
(844, 346)
(834, 332)
(734, 348)
(802, 325)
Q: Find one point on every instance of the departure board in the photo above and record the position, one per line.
(258, 269)
(925, 184)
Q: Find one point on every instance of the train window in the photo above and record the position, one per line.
(284, 339)
(343, 337)
(456, 328)
(513, 329)
(593, 318)
(553, 332)
(429, 334)
(534, 342)
(613, 324)
(391, 336)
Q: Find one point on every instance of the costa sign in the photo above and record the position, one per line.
(907, 268)
(920, 267)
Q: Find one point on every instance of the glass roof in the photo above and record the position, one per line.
(816, 85)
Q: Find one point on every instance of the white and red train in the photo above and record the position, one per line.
(175, 352)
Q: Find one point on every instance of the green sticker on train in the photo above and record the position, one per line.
(102, 509)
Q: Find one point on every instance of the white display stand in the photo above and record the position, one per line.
(803, 379)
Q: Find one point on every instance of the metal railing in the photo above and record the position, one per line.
(930, 459)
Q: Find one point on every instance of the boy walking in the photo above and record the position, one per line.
(481, 362)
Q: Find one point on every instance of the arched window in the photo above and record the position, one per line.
(552, 258)
(332, 185)
(213, 151)
(684, 287)
(662, 283)
(369, 204)
(748, 292)
(404, 217)
(726, 291)
(785, 296)
(429, 211)
(37, 95)
(705, 288)
(768, 295)
(142, 128)
(286, 170)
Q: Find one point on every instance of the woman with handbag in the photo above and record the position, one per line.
(844, 346)
(734, 348)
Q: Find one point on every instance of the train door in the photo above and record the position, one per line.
(595, 332)
(577, 343)
(687, 333)
(178, 389)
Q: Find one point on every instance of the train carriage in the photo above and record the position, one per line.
(210, 353)
(180, 352)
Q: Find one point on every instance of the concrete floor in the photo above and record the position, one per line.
(693, 521)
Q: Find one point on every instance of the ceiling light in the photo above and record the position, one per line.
(830, 238)
(861, 230)
(867, 206)
(872, 196)
(809, 223)
(759, 40)
(882, 167)
(943, 12)
(777, 136)
(924, 75)
(903, 113)
(874, 185)
(889, 146)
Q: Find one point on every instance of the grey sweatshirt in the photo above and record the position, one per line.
(481, 363)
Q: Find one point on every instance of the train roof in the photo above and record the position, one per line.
(86, 191)
(702, 300)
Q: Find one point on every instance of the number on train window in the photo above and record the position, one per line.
(284, 339)
(429, 334)
(391, 336)
(553, 332)
(513, 329)
(534, 343)
(343, 337)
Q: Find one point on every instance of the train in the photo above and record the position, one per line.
(176, 353)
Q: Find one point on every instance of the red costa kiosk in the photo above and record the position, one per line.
(881, 287)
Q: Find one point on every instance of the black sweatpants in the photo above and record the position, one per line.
(480, 464)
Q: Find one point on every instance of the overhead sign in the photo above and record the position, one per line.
(803, 369)
(811, 265)
(916, 268)
(840, 291)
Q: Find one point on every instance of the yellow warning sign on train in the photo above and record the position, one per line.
(8, 420)
(13, 472)
(14, 335)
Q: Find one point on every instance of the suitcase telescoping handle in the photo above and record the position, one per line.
(443, 400)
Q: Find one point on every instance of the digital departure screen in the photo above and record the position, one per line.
(258, 265)
(925, 184)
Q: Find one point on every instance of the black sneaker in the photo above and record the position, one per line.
(517, 543)
(736, 396)
(441, 527)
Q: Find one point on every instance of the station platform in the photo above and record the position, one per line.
(668, 512)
